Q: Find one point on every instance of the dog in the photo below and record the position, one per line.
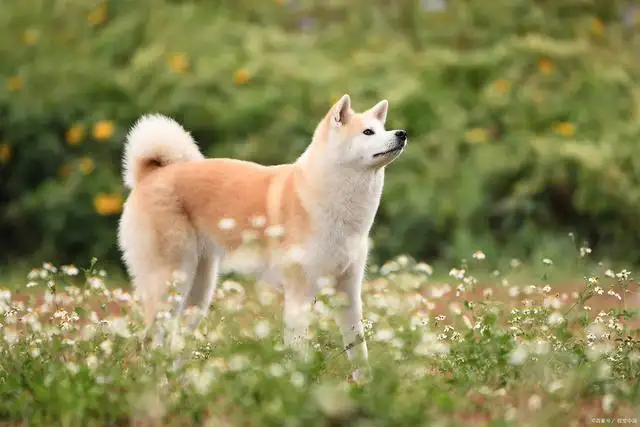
(294, 225)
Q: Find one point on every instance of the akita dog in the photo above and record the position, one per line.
(293, 225)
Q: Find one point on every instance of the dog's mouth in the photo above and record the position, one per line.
(392, 150)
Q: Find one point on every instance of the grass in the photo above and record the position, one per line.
(471, 347)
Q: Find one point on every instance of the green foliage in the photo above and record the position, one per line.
(522, 115)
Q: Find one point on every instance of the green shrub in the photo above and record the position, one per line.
(522, 115)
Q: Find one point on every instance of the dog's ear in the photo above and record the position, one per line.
(341, 111)
(379, 111)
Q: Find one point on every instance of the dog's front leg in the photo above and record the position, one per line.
(349, 318)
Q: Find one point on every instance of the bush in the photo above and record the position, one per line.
(522, 116)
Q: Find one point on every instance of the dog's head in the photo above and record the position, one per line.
(359, 140)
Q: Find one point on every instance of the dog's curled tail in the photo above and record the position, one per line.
(155, 141)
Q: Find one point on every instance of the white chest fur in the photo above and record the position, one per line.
(342, 219)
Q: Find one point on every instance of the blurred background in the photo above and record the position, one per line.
(523, 115)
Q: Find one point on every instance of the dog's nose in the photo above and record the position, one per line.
(401, 134)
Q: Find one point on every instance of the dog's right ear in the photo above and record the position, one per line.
(340, 111)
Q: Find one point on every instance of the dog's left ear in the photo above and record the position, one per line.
(379, 111)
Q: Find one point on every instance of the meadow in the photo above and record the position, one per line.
(523, 120)
(448, 347)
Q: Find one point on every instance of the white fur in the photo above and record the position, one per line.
(157, 137)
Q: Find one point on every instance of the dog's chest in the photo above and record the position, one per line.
(341, 229)
(330, 253)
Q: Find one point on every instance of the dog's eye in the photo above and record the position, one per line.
(368, 132)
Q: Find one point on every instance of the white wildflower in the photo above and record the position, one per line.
(200, 379)
(333, 400)
(519, 354)
(72, 368)
(425, 268)
(238, 362)
(598, 350)
(106, 347)
(555, 318)
(70, 270)
(96, 283)
(389, 267)
(403, 260)
(430, 345)
(10, 337)
(297, 379)
(227, 223)
(540, 346)
(457, 273)
(119, 327)
(261, 329)
(274, 231)
(258, 221)
(479, 255)
(49, 267)
(624, 274)
(276, 370)
(555, 386)
(384, 335)
(91, 361)
(534, 402)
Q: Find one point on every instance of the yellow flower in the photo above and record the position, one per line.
(241, 77)
(98, 15)
(564, 128)
(476, 135)
(14, 83)
(30, 36)
(5, 153)
(64, 171)
(107, 203)
(597, 27)
(103, 130)
(75, 134)
(178, 62)
(86, 165)
(502, 86)
(545, 65)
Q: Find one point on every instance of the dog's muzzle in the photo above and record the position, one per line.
(401, 141)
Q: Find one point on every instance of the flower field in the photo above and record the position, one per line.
(446, 348)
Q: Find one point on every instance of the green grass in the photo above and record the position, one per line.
(476, 354)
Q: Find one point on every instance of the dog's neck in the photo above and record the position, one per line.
(348, 197)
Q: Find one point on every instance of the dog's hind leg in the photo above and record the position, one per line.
(153, 290)
(204, 286)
